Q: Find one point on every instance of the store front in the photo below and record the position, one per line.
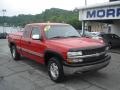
(101, 18)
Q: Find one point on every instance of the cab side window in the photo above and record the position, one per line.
(35, 31)
(26, 33)
(115, 36)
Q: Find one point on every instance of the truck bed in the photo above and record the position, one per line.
(17, 33)
(15, 37)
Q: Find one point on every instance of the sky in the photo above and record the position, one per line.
(16, 7)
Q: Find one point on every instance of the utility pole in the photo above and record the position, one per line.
(84, 23)
(4, 10)
(85, 2)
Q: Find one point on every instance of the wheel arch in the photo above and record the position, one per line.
(49, 54)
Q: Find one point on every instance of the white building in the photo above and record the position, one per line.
(101, 18)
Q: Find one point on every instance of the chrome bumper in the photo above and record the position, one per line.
(71, 70)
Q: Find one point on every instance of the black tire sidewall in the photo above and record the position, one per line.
(60, 69)
(17, 55)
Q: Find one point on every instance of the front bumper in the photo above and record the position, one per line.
(89, 67)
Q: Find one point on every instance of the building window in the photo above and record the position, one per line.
(89, 28)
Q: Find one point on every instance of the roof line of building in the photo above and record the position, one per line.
(116, 3)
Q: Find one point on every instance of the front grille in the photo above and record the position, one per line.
(93, 51)
(93, 59)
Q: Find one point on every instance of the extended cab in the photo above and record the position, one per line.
(60, 48)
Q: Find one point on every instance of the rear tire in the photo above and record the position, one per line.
(15, 54)
(55, 70)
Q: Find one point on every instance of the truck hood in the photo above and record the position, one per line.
(76, 43)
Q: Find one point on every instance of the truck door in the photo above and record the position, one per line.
(36, 45)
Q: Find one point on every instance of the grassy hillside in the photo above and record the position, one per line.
(52, 15)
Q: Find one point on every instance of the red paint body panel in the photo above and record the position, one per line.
(35, 49)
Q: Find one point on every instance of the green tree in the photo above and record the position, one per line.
(52, 15)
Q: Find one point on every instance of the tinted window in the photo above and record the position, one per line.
(115, 36)
(60, 31)
(107, 36)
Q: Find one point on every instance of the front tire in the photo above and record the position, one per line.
(15, 54)
(55, 70)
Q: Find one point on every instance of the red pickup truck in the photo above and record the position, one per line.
(59, 47)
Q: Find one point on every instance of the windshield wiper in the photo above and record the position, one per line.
(73, 36)
(58, 37)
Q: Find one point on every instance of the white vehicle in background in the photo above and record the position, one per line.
(94, 35)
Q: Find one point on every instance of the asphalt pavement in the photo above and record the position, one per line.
(27, 74)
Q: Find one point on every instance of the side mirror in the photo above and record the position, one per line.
(36, 37)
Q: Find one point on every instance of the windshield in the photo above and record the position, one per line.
(60, 31)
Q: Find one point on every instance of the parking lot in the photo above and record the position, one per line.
(29, 75)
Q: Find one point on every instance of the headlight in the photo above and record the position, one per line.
(72, 57)
(73, 54)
